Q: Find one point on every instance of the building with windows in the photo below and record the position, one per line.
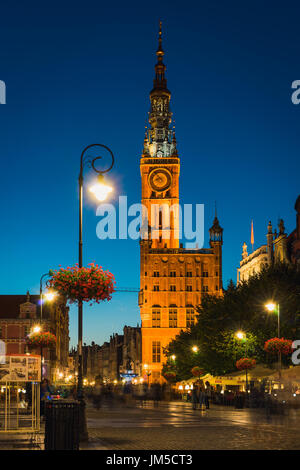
(172, 279)
(280, 247)
(20, 313)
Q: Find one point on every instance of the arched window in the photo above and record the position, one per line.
(173, 316)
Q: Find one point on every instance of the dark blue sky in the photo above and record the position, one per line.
(80, 72)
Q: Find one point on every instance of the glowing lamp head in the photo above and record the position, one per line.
(146, 366)
(240, 335)
(173, 357)
(50, 295)
(195, 349)
(36, 329)
(101, 190)
(270, 307)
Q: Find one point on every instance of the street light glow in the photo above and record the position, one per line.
(100, 189)
(240, 335)
(173, 357)
(50, 295)
(270, 307)
(195, 349)
(36, 329)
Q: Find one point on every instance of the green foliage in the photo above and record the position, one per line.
(241, 308)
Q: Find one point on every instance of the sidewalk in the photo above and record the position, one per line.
(22, 441)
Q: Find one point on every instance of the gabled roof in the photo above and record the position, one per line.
(10, 305)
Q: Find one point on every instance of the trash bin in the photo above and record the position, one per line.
(62, 425)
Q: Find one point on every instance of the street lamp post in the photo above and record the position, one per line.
(100, 191)
(242, 336)
(271, 307)
(48, 274)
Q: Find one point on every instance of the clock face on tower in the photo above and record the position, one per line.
(160, 179)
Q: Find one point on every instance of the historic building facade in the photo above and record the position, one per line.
(172, 279)
(123, 353)
(280, 247)
(20, 313)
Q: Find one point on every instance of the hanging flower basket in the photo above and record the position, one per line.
(278, 345)
(245, 363)
(170, 375)
(41, 339)
(197, 371)
(90, 284)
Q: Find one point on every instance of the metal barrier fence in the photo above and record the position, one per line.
(19, 406)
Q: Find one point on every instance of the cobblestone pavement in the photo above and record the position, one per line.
(176, 426)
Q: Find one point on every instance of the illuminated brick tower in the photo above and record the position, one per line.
(172, 278)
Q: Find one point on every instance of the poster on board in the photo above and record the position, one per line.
(20, 368)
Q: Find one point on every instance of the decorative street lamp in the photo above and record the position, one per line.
(272, 307)
(100, 191)
(195, 349)
(48, 296)
(242, 337)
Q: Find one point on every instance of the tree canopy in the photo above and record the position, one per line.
(242, 307)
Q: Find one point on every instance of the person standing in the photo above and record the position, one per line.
(45, 395)
(206, 397)
(201, 398)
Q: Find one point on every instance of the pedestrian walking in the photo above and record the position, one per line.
(194, 397)
(206, 398)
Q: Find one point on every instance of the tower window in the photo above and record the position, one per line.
(173, 274)
(172, 288)
(156, 288)
(156, 318)
(205, 289)
(173, 318)
(155, 351)
(189, 288)
(156, 273)
(189, 274)
(190, 317)
(205, 274)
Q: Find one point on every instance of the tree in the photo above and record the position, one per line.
(241, 308)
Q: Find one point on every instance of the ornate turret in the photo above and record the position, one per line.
(245, 252)
(281, 227)
(161, 139)
(216, 232)
(270, 243)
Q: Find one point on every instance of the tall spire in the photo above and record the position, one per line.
(160, 81)
(161, 139)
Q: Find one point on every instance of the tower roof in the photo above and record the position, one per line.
(160, 81)
(160, 140)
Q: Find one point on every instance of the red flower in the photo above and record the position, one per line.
(245, 363)
(83, 284)
(41, 339)
(276, 345)
(197, 371)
